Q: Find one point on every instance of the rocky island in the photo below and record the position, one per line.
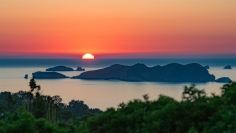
(80, 69)
(48, 75)
(224, 80)
(173, 72)
(26, 76)
(207, 67)
(60, 68)
(227, 67)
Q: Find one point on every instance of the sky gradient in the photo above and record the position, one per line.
(118, 27)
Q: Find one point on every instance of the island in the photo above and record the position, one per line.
(173, 72)
(48, 75)
(26, 76)
(60, 68)
(227, 67)
(207, 67)
(80, 69)
(224, 80)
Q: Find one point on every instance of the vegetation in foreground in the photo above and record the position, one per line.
(195, 113)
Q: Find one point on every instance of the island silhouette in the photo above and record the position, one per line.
(173, 72)
(64, 68)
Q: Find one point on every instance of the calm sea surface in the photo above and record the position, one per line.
(102, 93)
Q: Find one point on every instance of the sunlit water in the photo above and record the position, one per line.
(102, 93)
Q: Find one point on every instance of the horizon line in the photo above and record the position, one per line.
(116, 56)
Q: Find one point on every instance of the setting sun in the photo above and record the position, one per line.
(88, 56)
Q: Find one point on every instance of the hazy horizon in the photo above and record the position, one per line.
(101, 63)
(117, 56)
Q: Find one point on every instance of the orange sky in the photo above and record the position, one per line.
(118, 26)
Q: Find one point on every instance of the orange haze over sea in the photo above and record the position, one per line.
(118, 26)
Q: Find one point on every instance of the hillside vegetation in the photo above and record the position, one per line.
(195, 113)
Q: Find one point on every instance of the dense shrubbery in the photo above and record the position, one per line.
(42, 106)
(196, 112)
(24, 122)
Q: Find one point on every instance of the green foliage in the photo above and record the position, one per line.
(20, 121)
(10, 102)
(0, 107)
(195, 113)
(67, 115)
(24, 122)
(191, 94)
(224, 120)
(42, 106)
(79, 108)
(33, 85)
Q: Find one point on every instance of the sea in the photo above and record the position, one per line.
(104, 94)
